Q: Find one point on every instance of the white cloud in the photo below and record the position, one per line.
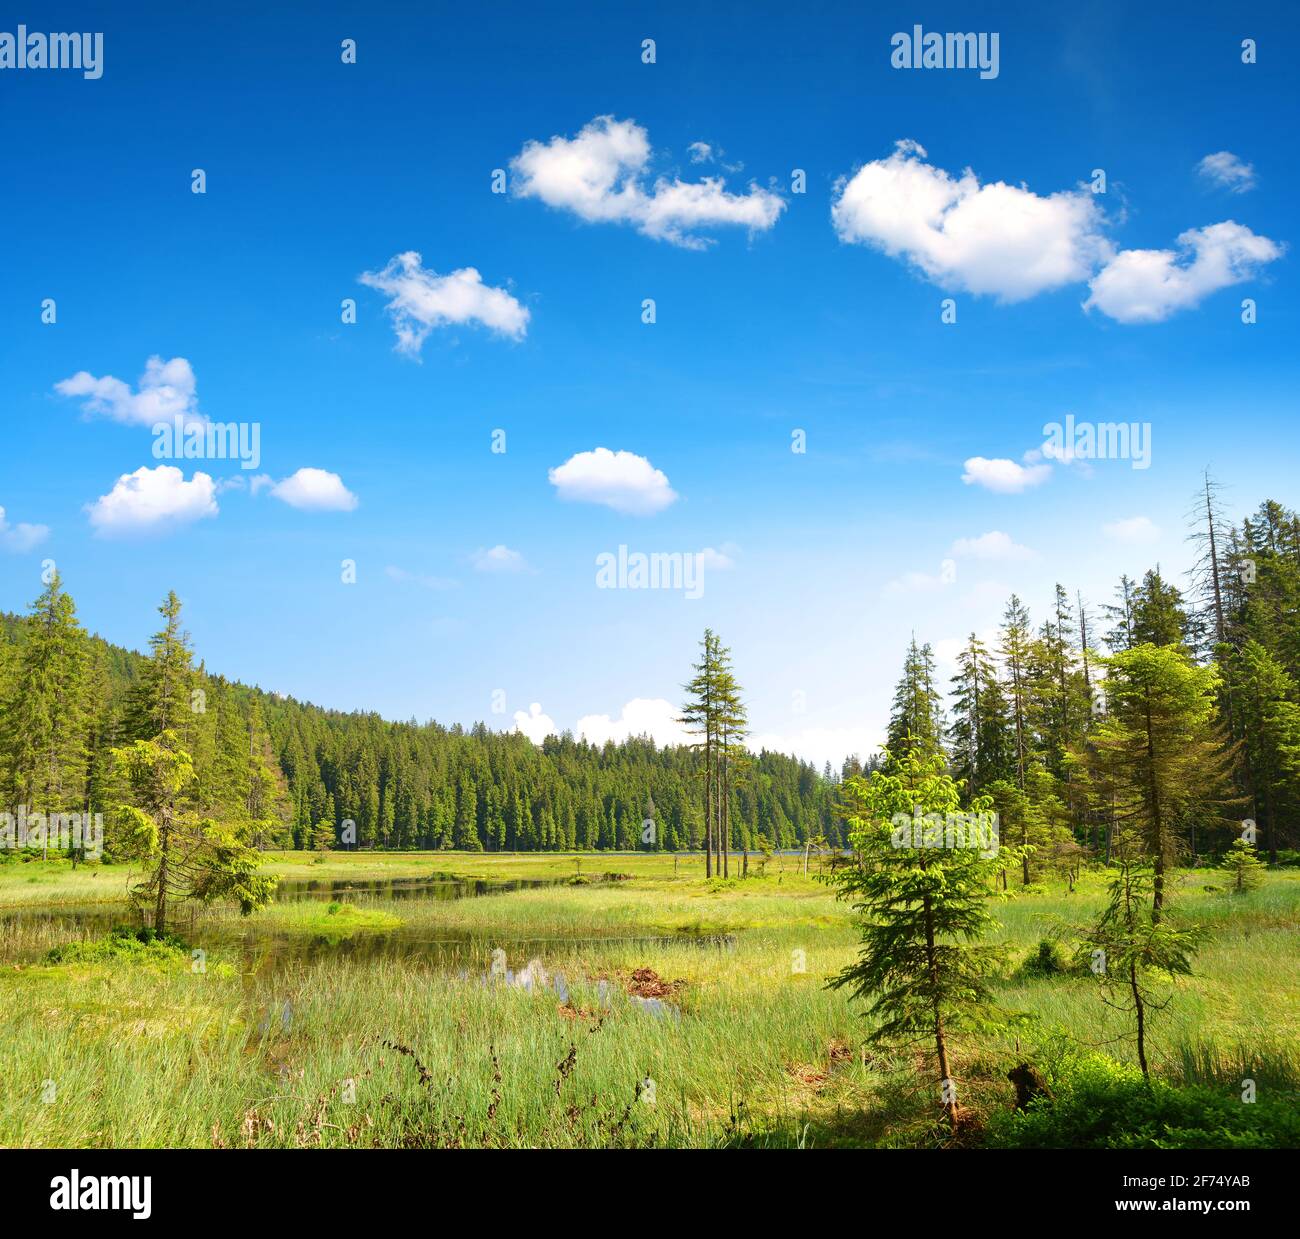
(997, 239)
(819, 745)
(499, 559)
(700, 152)
(1136, 530)
(166, 391)
(620, 480)
(1225, 170)
(642, 716)
(150, 499)
(600, 176)
(1006, 477)
(994, 545)
(21, 537)
(313, 490)
(535, 725)
(1147, 286)
(421, 300)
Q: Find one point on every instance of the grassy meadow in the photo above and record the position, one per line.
(344, 1046)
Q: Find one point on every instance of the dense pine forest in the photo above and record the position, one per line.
(294, 774)
(1172, 710)
(1183, 731)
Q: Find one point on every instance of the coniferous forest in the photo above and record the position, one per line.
(1053, 720)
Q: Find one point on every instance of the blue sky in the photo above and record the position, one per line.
(775, 311)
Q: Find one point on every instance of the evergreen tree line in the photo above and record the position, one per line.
(290, 774)
(1173, 713)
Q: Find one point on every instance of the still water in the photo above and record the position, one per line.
(262, 947)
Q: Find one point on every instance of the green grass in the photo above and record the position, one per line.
(152, 1052)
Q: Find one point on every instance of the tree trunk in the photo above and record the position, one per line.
(708, 801)
(940, 1042)
(1157, 839)
(160, 904)
(726, 810)
(1140, 1008)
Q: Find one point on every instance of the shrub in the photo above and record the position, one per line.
(139, 945)
(1102, 1104)
(1050, 960)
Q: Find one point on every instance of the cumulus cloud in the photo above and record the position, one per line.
(1011, 243)
(1006, 477)
(166, 390)
(21, 537)
(994, 545)
(421, 299)
(1225, 170)
(499, 558)
(1147, 286)
(153, 499)
(1136, 531)
(642, 716)
(534, 724)
(819, 745)
(997, 239)
(312, 490)
(620, 480)
(601, 176)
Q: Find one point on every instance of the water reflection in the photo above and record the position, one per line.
(263, 948)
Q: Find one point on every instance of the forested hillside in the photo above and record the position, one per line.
(1172, 710)
(296, 773)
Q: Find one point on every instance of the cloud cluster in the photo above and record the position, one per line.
(998, 239)
(166, 390)
(601, 176)
(421, 299)
(1010, 243)
(642, 716)
(821, 744)
(1147, 286)
(624, 481)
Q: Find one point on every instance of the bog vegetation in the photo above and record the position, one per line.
(1085, 981)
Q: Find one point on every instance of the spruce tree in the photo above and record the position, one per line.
(45, 715)
(1159, 750)
(923, 913)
